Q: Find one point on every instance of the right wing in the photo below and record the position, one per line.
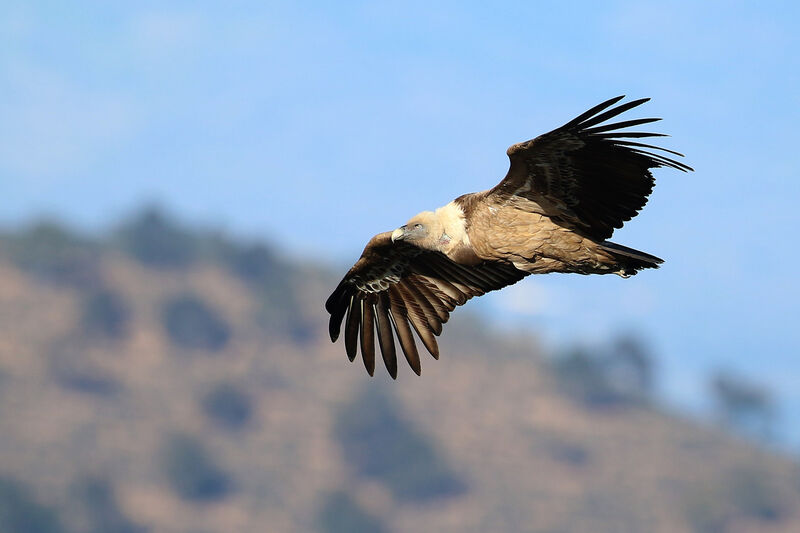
(585, 175)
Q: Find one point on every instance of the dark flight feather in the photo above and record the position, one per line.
(385, 337)
(397, 312)
(367, 336)
(584, 173)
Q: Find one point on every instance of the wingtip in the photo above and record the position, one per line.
(335, 326)
(369, 365)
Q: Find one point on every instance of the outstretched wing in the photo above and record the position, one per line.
(397, 287)
(587, 175)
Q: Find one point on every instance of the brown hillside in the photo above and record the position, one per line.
(174, 397)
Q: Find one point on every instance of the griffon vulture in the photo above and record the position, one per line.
(564, 194)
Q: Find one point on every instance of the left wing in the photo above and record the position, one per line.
(395, 287)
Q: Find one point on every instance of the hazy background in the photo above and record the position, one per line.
(319, 125)
(163, 369)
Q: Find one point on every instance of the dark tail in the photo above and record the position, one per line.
(631, 261)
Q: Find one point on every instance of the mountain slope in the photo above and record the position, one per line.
(201, 394)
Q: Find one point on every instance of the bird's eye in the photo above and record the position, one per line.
(417, 226)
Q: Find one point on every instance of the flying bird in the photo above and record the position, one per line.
(564, 194)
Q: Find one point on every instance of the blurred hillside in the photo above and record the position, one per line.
(170, 379)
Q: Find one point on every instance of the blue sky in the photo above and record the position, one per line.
(319, 125)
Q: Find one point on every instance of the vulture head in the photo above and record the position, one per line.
(421, 230)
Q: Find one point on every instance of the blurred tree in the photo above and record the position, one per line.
(630, 367)
(275, 284)
(191, 472)
(283, 317)
(98, 510)
(581, 376)
(744, 493)
(743, 404)
(49, 251)
(88, 382)
(256, 264)
(568, 452)
(193, 324)
(607, 376)
(156, 240)
(73, 370)
(228, 406)
(378, 443)
(341, 514)
(752, 494)
(706, 512)
(105, 314)
(20, 513)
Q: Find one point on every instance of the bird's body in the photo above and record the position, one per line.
(564, 194)
(531, 241)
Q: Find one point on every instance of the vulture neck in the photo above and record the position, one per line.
(452, 240)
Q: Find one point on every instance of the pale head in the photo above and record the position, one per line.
(422, 229)
(439, 230)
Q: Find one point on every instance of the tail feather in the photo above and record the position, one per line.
(631, 261)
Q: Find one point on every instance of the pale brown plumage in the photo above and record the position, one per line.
(564, 194)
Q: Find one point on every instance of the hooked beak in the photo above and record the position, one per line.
(399, 234)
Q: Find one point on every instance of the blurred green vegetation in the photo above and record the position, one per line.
(753, 495)
(630, 367)
(156, 240)
(339, 513)
(88, 382)
(256, 264)
(193, 324)
(380, 444)
(581, 376)
(743, 405)
(105, 314)
(95, 504)
(20, 512)
(228, 406)
(53, 253)
(620, 374)
(72, 370)
(741, 493)
(275, 284)
(568, 452)
(191, 472)
(50, 251)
